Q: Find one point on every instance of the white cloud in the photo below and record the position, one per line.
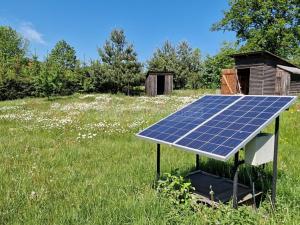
(30, 33)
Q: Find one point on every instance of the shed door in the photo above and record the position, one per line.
(243, 80)
(282, 82)
(160, 85)
(229, 81)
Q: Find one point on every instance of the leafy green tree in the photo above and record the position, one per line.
(271, 25)
(189, 65)
(120, 69)
(86, 79)
(296, 57)
(182, 60)
(63, 55)
(63, 65)
(12, 53)
(46, 82)
(34, 67)
(95, 78)
(14, 81)
(164, 58)
(211, 73)
(196, 68)
(33, 71)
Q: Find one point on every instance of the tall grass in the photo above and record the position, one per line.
(76, 160)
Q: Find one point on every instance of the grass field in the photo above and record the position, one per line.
(76, 160)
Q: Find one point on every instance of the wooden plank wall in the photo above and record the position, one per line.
(263, 70)
(294, 88)
(256, 80)
(269, 79)
(168, 84)
(151, 85)
(249, 61)
(282, 84)
(295, 84)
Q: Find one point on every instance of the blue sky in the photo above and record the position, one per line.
(87, 24)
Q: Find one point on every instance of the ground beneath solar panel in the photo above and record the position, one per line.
(75, 160)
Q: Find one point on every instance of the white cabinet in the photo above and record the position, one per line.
(260, 150)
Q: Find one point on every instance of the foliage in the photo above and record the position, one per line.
(214, 64)
(189, 65)
(86, 81)
(14, 82)
(164, 58)
(120, 69)
(296, 57)
(46, 81)
(12, 48)
(63, 55)
(184, 61)
(33, 71)
(176, 188)
(62, 63)
(264, 25)
(16, 88)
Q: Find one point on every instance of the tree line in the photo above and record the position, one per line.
(258, 25)
(117, 69)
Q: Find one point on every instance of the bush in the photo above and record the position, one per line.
(175, 188)
(13, 89)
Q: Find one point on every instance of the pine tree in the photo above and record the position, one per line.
(120, 68)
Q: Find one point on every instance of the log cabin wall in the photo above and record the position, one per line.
(256, 80)
(256, 65)
(269, 80)
(263, 74)
(294, 84)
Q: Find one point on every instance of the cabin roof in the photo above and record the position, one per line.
(292, 70)
(266, 53)
(160, 73)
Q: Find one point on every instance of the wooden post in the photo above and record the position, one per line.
(274, 178)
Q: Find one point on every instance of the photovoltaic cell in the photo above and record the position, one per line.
(231, 129)
(183, 121)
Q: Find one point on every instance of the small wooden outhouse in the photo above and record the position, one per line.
(159, 83)
(261, 73)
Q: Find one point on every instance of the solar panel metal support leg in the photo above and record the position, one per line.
(197, 162)
(274, 178)
(157, 161)
(235, 180)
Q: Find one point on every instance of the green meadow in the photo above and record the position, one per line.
(76, 160)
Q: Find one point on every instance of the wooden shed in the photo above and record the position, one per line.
(261, 73)
(159, 83)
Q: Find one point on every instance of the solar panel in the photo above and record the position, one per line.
(231, 129)
(173, 127)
